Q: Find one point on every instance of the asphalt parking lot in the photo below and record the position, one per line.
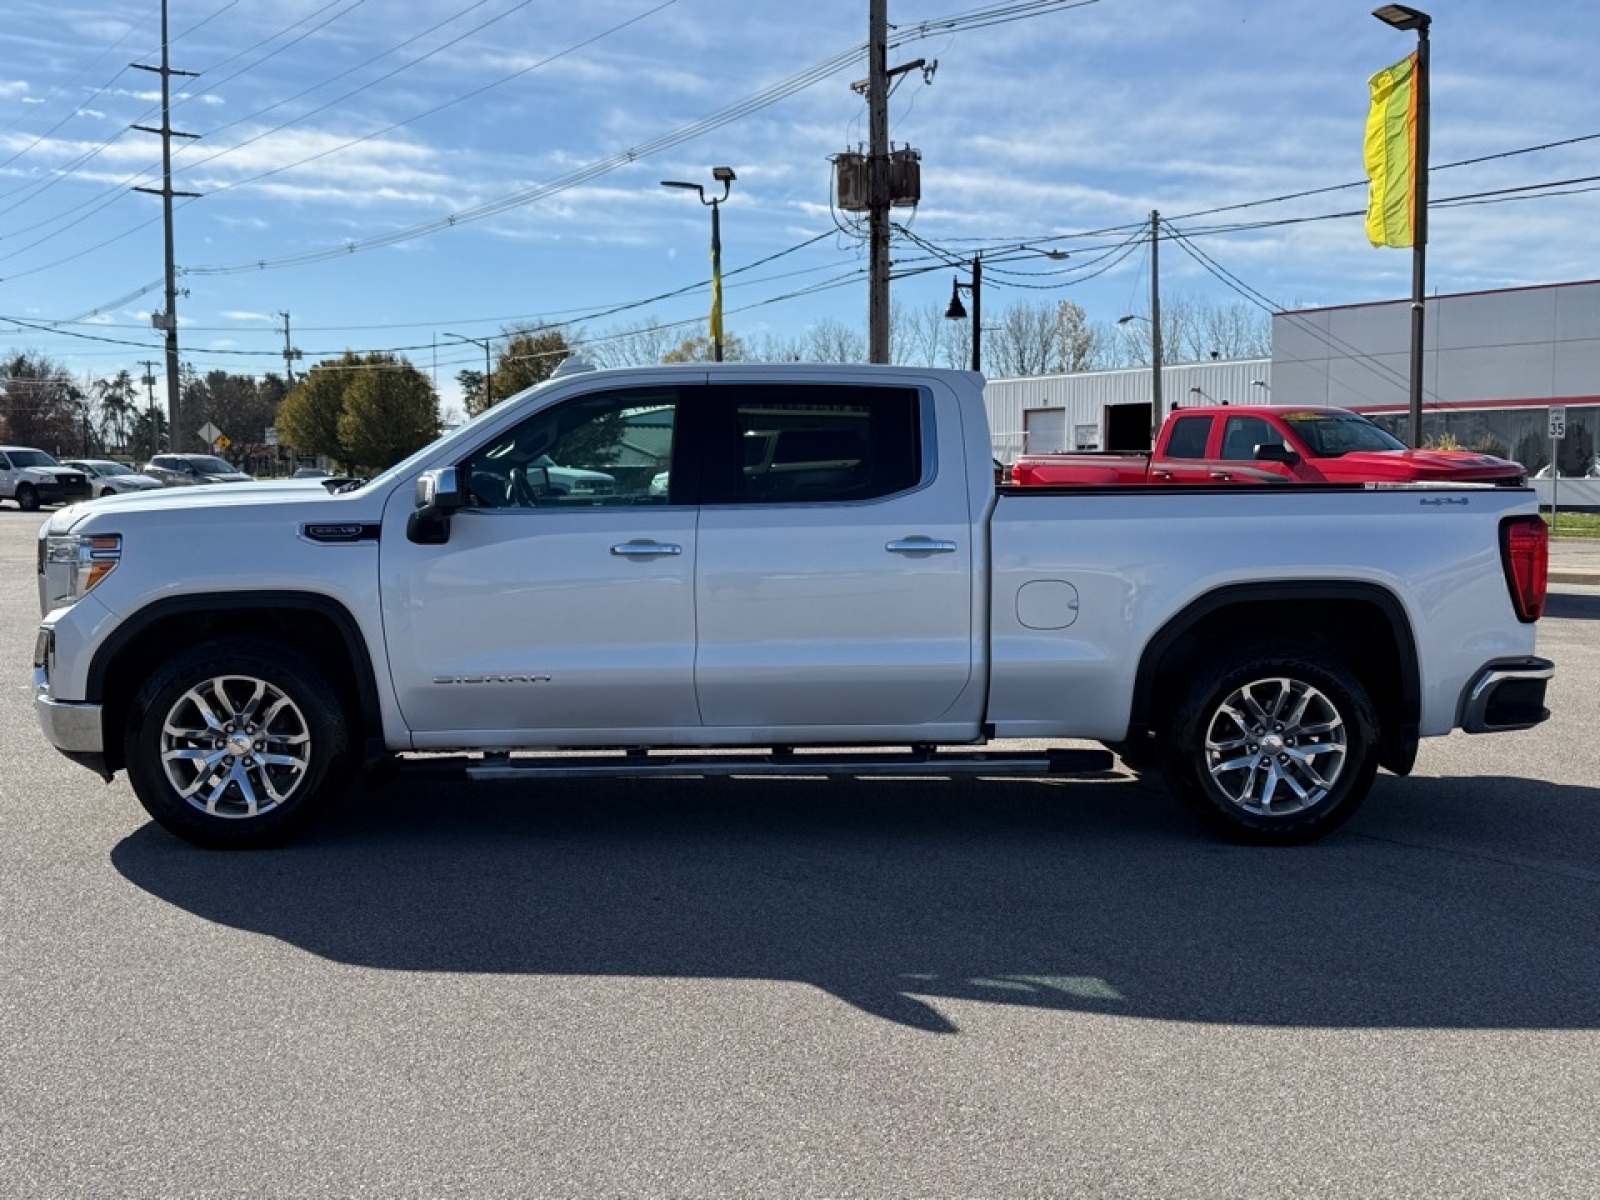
(808, 988)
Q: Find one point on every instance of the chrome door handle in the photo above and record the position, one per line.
(920, 545)
(645, 549)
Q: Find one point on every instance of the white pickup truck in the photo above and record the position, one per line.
(877, 606)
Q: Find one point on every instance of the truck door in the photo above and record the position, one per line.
(834, 581)
(1241, 434)
(564, 598)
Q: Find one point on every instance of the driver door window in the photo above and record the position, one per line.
(611, 449)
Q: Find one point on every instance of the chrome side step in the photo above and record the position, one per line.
(635, 763)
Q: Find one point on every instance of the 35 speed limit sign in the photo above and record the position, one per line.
(1558, 423)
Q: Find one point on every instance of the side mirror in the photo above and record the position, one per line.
(438, 496)
(1274, 452)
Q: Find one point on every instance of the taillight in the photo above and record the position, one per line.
(1525, 555)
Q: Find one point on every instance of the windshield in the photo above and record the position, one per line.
(31, 458)
(1329, 435)
(107, 468)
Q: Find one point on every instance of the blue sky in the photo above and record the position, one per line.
(389, 171)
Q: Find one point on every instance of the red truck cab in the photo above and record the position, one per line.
(1270, 444)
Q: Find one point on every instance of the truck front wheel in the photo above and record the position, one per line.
(1273, 746)
(27, 498)
(237, 743)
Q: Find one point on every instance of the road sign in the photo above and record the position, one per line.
(1558, 422)
(222, 442)
(209, 432)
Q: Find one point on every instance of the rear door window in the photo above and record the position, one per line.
(1188, 437)
(800, 443)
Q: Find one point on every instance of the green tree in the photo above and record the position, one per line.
(118, 403)
(530, 356)
(388, 414)
(235, 404)
(308, 418)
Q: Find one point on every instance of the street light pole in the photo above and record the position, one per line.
(724, 176)
(1157, 407)
(1404, 18)
(488, 369)
(958, 311)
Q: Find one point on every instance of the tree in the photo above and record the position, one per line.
(40, 405)
(118, 404)
(530, 356)
(699, 348)
(308, 418)
(641, 345)
(236, 404)
(388, 414)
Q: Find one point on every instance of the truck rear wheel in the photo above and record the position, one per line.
(1273, 746)
(237, 743)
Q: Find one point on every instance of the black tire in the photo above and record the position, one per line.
(104, 492)
(27, 498)
(1273, 745)
(219, 706)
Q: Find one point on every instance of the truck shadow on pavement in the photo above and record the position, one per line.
(1572, 606)
(1446, 903)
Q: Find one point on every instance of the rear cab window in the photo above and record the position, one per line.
(804, 443)
(1188, 437)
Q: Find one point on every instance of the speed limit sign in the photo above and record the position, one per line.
(1558, 423)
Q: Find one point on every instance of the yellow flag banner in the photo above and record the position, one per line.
(1391, 154)
(716, 305)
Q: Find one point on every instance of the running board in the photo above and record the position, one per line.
(778, 763)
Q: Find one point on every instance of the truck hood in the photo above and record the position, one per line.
(300, 495)
(1434, 466)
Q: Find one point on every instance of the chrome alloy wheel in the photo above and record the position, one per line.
(235, 747)
(1275, 747)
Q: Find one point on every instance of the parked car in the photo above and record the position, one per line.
(1269, 444)
(183, 470)
(31, 478)
(108, 478)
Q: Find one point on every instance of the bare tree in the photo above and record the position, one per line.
(832, 341)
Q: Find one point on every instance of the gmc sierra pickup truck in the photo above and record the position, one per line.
(1278, 444)
(876, 605)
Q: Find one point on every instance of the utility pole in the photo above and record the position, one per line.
(169, 319)
(878, 181)
(149, 382)
(1157, 411)
(289, 352)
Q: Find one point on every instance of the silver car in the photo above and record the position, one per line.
(107, 478)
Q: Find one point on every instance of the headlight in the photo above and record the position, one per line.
(71, 565)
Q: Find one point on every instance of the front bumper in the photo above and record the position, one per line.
(1507, 695)
(74, 728)
(62, 493)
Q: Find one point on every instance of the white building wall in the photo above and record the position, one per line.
(1082, 398)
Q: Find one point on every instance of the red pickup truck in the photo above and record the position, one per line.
(1269, 444)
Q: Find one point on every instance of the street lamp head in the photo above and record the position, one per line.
(1402, 16)
(723, 174)
(678, 183)
(957, 311)
(1123, 320)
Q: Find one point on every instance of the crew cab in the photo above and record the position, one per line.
(30, 477)
(1270, 444)
(869, 604)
